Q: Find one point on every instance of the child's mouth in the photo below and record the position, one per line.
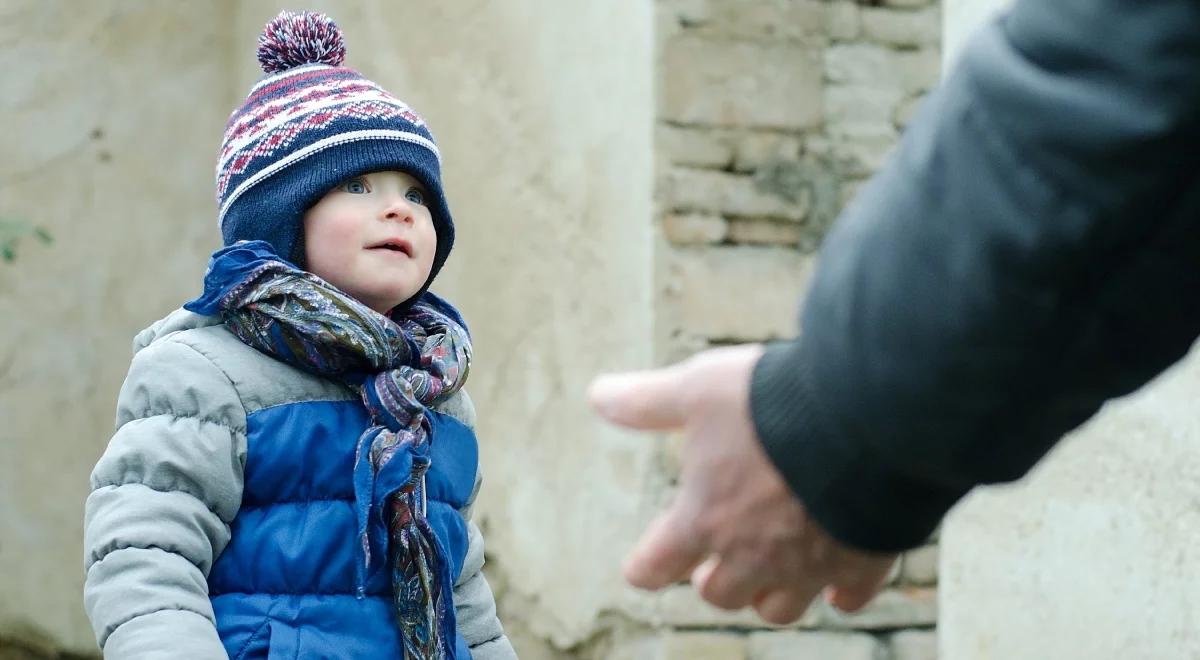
(397, 246)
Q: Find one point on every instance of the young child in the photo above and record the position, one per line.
(294, 462)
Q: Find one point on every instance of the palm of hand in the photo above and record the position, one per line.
(735, 527)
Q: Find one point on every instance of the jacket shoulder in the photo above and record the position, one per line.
(261, 381)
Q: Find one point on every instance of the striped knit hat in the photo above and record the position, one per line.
(309, 125)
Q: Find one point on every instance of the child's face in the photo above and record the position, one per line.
(372, 237)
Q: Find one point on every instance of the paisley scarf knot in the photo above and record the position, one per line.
(401, 366)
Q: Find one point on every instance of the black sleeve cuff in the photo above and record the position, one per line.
(849, 489)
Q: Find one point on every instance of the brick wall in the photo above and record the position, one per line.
(770, 114)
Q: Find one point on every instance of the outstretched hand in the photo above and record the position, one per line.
(735, 527)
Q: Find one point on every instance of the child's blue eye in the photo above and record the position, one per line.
(355, 186)
(416, 196)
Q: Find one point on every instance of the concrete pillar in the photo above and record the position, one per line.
(1096, 553)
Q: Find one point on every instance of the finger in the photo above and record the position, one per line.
(783, 606)
(666, 553)
(850, 600)
(644, 400)
(727, 584)
(853, 595)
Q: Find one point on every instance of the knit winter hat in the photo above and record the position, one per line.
(309, 125)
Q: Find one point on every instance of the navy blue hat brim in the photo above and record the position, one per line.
(273, 209)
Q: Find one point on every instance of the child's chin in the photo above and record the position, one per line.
(396, 298)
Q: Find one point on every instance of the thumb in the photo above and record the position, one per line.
(645, 400)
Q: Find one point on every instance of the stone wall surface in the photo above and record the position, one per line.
(770, 115)
(113, 113)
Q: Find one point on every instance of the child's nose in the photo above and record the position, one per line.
(398, 208)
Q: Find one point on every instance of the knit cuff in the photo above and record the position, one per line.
(849, 489)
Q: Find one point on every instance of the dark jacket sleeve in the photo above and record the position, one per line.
(1029, 251)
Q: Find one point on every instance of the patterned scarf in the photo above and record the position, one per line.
(400, 366)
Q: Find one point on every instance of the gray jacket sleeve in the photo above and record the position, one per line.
(163, 496)
(474, 604)
(1030, 251)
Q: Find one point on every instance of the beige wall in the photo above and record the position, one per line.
(112, 113)
(1096, 553)
(544, 114)
(542, 111)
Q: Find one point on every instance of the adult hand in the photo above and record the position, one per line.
(735, 526)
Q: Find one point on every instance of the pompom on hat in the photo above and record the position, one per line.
(309, 125)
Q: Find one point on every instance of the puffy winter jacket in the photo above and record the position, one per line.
(222, 519)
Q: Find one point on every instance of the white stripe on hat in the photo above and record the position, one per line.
(342, 138)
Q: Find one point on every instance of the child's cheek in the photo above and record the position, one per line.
(344, 232)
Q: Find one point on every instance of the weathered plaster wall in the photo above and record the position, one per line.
(542, 113)
(544, 116)
(112, 112)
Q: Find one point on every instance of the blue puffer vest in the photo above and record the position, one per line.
(286, 586)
